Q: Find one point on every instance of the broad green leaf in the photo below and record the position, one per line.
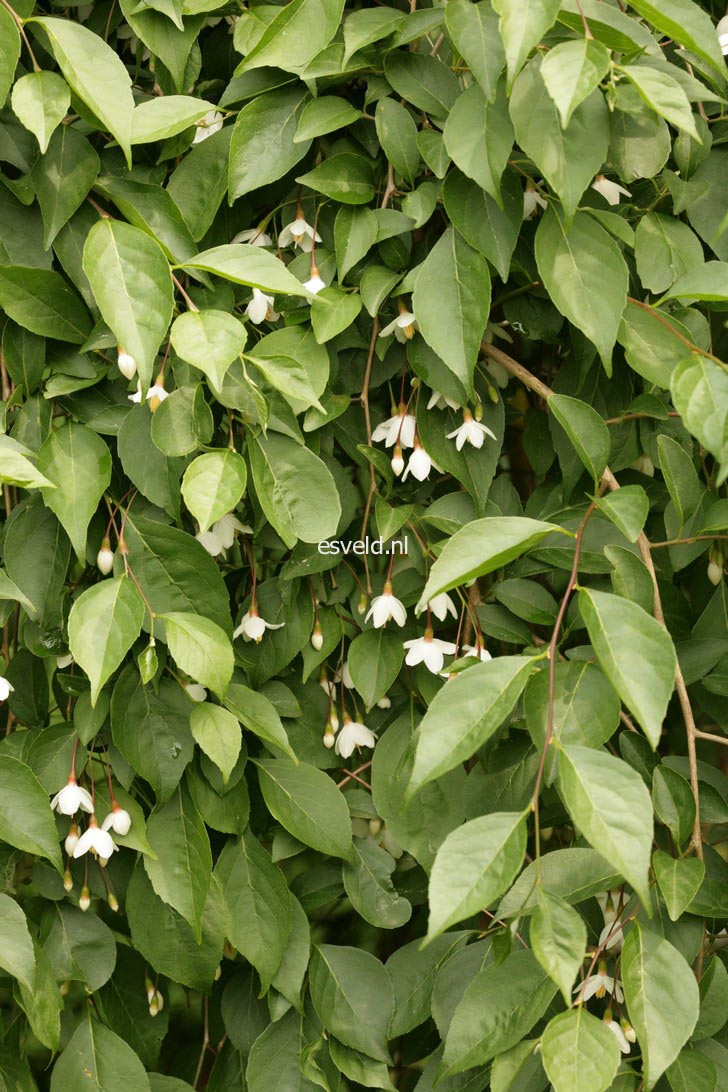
(41, 301)
(275, 1058)
(17, 957)
(451, 301)
(713, 987)
(210, 340)
(665, 250)
(9, 51)
(131, 283)
(26, 821)
(257, 904)
(662, 998)
(17, 468)
(218, 733)
(332, 312)
(251, 265)
(201, 649)
(307, 803)
(673, 802)
(103, 624)
(678, 880)
(293, 362)
(579, 1051)
(297, 34)
(523, 24)
(586, 276)
(573, 874)
(481, 159)
(490, 229)
(520, 1065)
(375, 658)
(324, 115)
(644, 680)
(368, 883)
(80, 948)
(42, 1001)
(151, 208)
(627, 508)
(692, 1071)
(355, 232)
(558, 940)
(258, 714)
(705, 281)
(41, 100)
(397, 135)
(95, 73)
(353, 997)
(687, 23)
(424, 81)
(480, 548)
(263, 148)
(586, 430)
(664, 95)
(162, 117)
(77, 462)
(700, 393)
(571, 71)
(369, 25)
(213, 484)
(96, 1059)
(346, 177)
(295, 488)
(611, 806)
(473, 29)
(473, 866)
(62, 178)
(681, 477)
(182, 870)
(652, 349)
(465, 713)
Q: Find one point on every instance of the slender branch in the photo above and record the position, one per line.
(688, 541)
(635, 417)
(713, 738)
(23, 35)
(190, 303)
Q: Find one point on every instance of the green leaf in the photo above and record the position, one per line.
(482, 547)
(684, 21)
(41, 301)
(210, 340)
(257, 904)
(571, 71)
(579, 1051)
(296, 490)
(558, 940)
(397, 134)
(586, 430)
(98, 1060)
(700, 394)
(104, 623)
(16, 467)
(465, 713)
(673, 802)
(664, 95)
(160, 118)
(665, 250)
(692, 1072)
(473, 29)
(611, 806)
(9, 51)
(293, 362)
(307, 803)
(473, 866)
(333, 311)
(324, 115)
(451, 300)
(213, 484)
(218, 733)
(627, 508)
(644, 680)
(131, 283)
(275, 1058)
(662, 999)
(62, 178)
(95, 73)
(422, 80)
(678, 880)
(355, 232)
(258, 714)
(346, 178)
(251, 265)
(368, 883)
(41, 100)
(708, 281)
(297, 34)
(263, 147)
(651, 348)
(77, 463)
(523, 24)
(681, 477)
(481, 159)
(375, 658)
(201, 649)
(586, 276)
(26, 821)
(151, 730)
(353, 997)
(182, 870)
(17, 956)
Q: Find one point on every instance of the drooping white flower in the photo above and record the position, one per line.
(353, 735)
(6, 688)
(155, 394)
(441, 401)
(117, 820)
(609, 190)
(384, 702)
(398, 429)
(300, 233)
(420, 464)
(127, 364)
(617, 1031)
(428, 650)
(317, 637)
(222, 534)
(260, 308)
(211, 123)
(71, 798)
(252, 626)
(441, 605)
(105, 557)
(612, 936)
(340, 676)
(471, 432)
(71, 839)
(95, 840)
(403, 327)
(532, 200)
(386, 606)
(597, 985)
(479, 650)
(722, 31)
(253, 236)
(315, 283)
(194, 691)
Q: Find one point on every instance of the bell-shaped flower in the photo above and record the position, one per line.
(403, 326)
(428, 650)
(644, 465)
(253, 236)
(210, 123)
(299, 233)
(478, 650)
(252, 626)
(222, 534)
(71, 798)
(441, 605)
(353, 735)
(117, 820)
(420, 464)
(471, 432)
(441, 401)
(127, 364)
(260, 308)
(597, 985)
(95, 840)
(532, 200)
(386, 606)
(610, 191)
(194, 691)
(399, 429)
(155, 394)
(611, 937)
(71, 839)
(397, 460)
(617, 1032)
(315, 283)
(6, 688)
(105, 557)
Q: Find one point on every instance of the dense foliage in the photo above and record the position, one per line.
(365, 436)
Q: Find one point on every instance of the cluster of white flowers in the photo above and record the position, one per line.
(96, 839)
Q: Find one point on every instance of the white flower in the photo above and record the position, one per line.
(478, 650)
(397, 460)
(385, 702)
(117, 820)
(71, 839)
(300, 233)
(71, 798)
(156, 391)
(6, 688)
(352, 735)
(222, 534)
(441, 605)
(610, 191)
(613, 931)
(398, 429)
(644, 465)
(471, 432)
(253, 236)
(498, 373)
(722, 31)
(532, 200)
(62, 662)
(207, 125)
(314, 284)
(260, 308)
(497, 329)
(597, 985)
(344, 675)
(441, 401)
(96, 841)
(127, 364)
(420, 464)
(105, 557)
(386, 606)
(715, 572)
(617, 1032)
(252, 626)
(194, 691)
(403, 327)
(428, 650)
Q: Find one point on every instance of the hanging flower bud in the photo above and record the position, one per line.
(629, 1032)
(715, 566)
(362, 604)
(147, 662)
(67, 881)
(375, 825)
(105, 557)
(478, 411)
(493, 394)
(72, 839)
(127, 364)
(113, 902)
(397, 460)
(317, 637)
(85, 898)
(329, 737)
